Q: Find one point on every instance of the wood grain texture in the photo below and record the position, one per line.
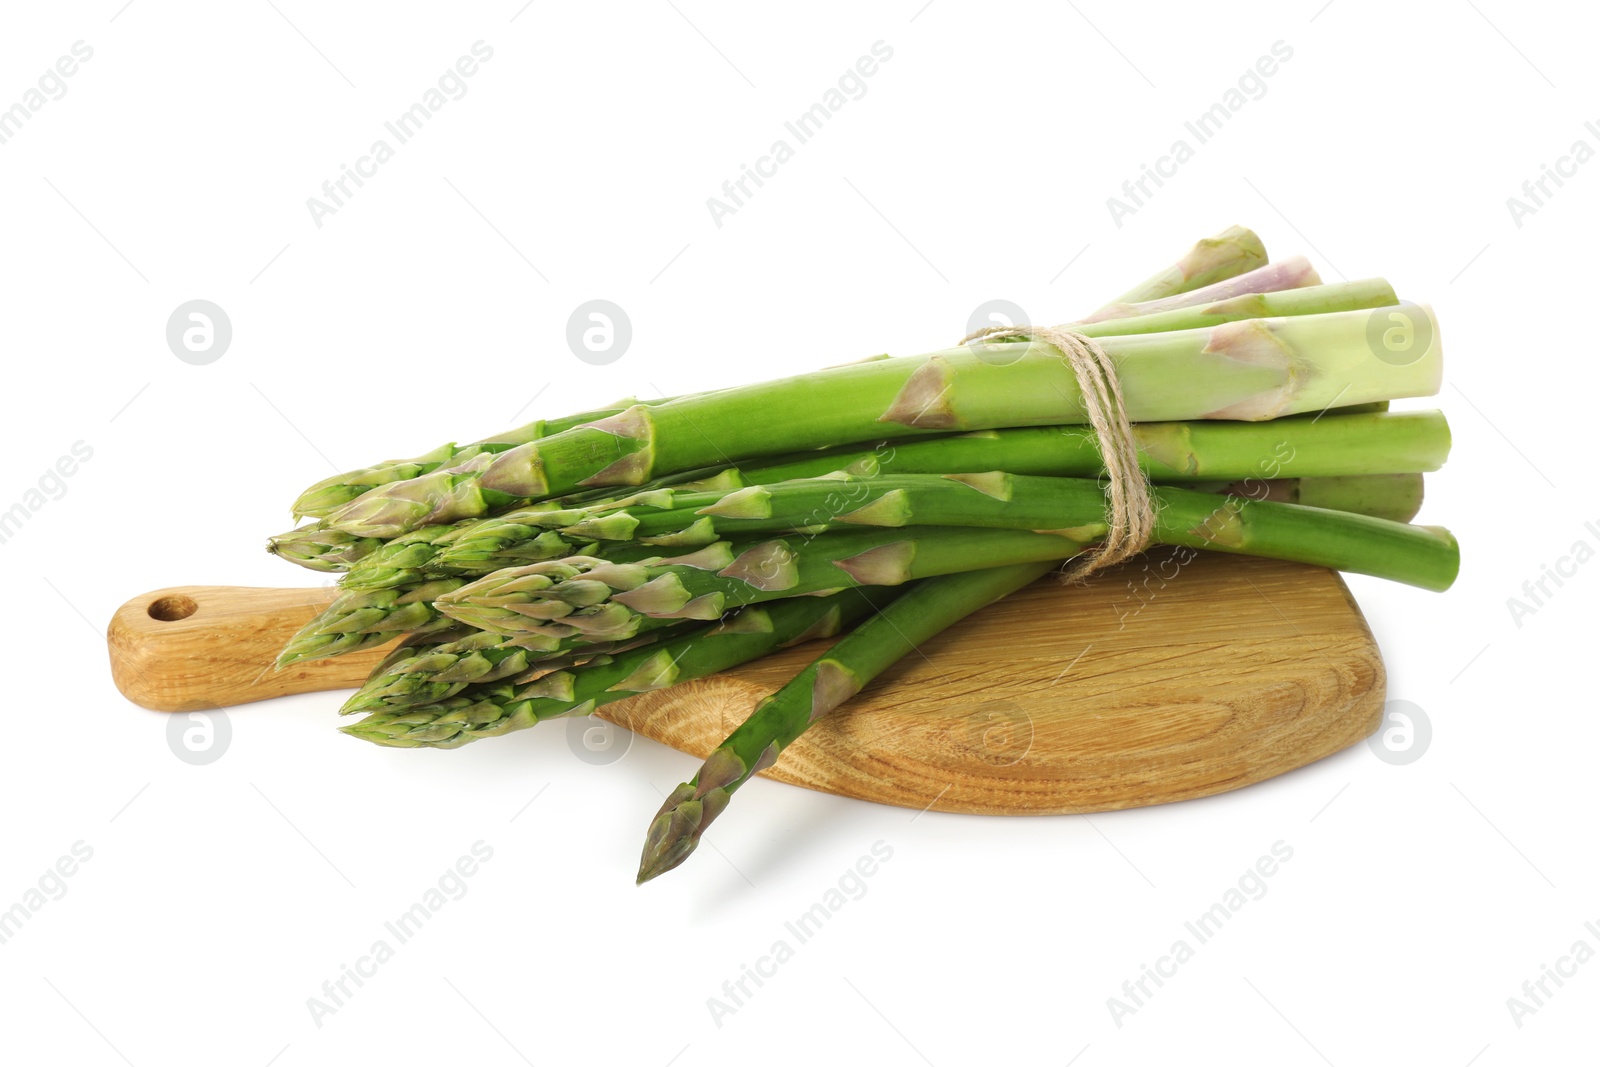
(1091, 698)
(1152, 683)
(193, 647)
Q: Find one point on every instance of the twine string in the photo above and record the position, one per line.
(1130, 510)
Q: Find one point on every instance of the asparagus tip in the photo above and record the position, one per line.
(380, 734)
(675, 831)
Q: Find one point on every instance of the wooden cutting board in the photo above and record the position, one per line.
(1153, 682)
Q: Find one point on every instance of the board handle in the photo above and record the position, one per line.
(194, 647)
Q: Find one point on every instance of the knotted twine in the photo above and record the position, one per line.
(1130, 510)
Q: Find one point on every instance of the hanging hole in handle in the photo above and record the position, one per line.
(172, 608)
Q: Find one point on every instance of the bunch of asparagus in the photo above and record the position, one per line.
(572, 562)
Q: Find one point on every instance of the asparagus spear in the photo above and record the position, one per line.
(1012, 502)
(331, 493)
(423, 669)
(426, 669)
(1397, 497)
(367, 619)
(507, 541)
(1008, 449)
(1294, 273)
(337, 490)
(364, 617)
(491, 710)
(433, 551)
(524, 536)
(1165, 317)
(316, 547)
(1212, 259)
(692, 519)
(1170, 452)
(852, 662)
(584, 598)
(1252, 369)
(587, 599)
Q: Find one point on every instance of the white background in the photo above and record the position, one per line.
(433, 305)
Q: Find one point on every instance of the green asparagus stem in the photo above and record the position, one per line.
(1396, 497)
(585, 599)
(817, 504)
(1170, 452)
(1253, 370)
(692, 520)
(955, 523)
(1231, 252)
(842, 672)
(491, 710)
